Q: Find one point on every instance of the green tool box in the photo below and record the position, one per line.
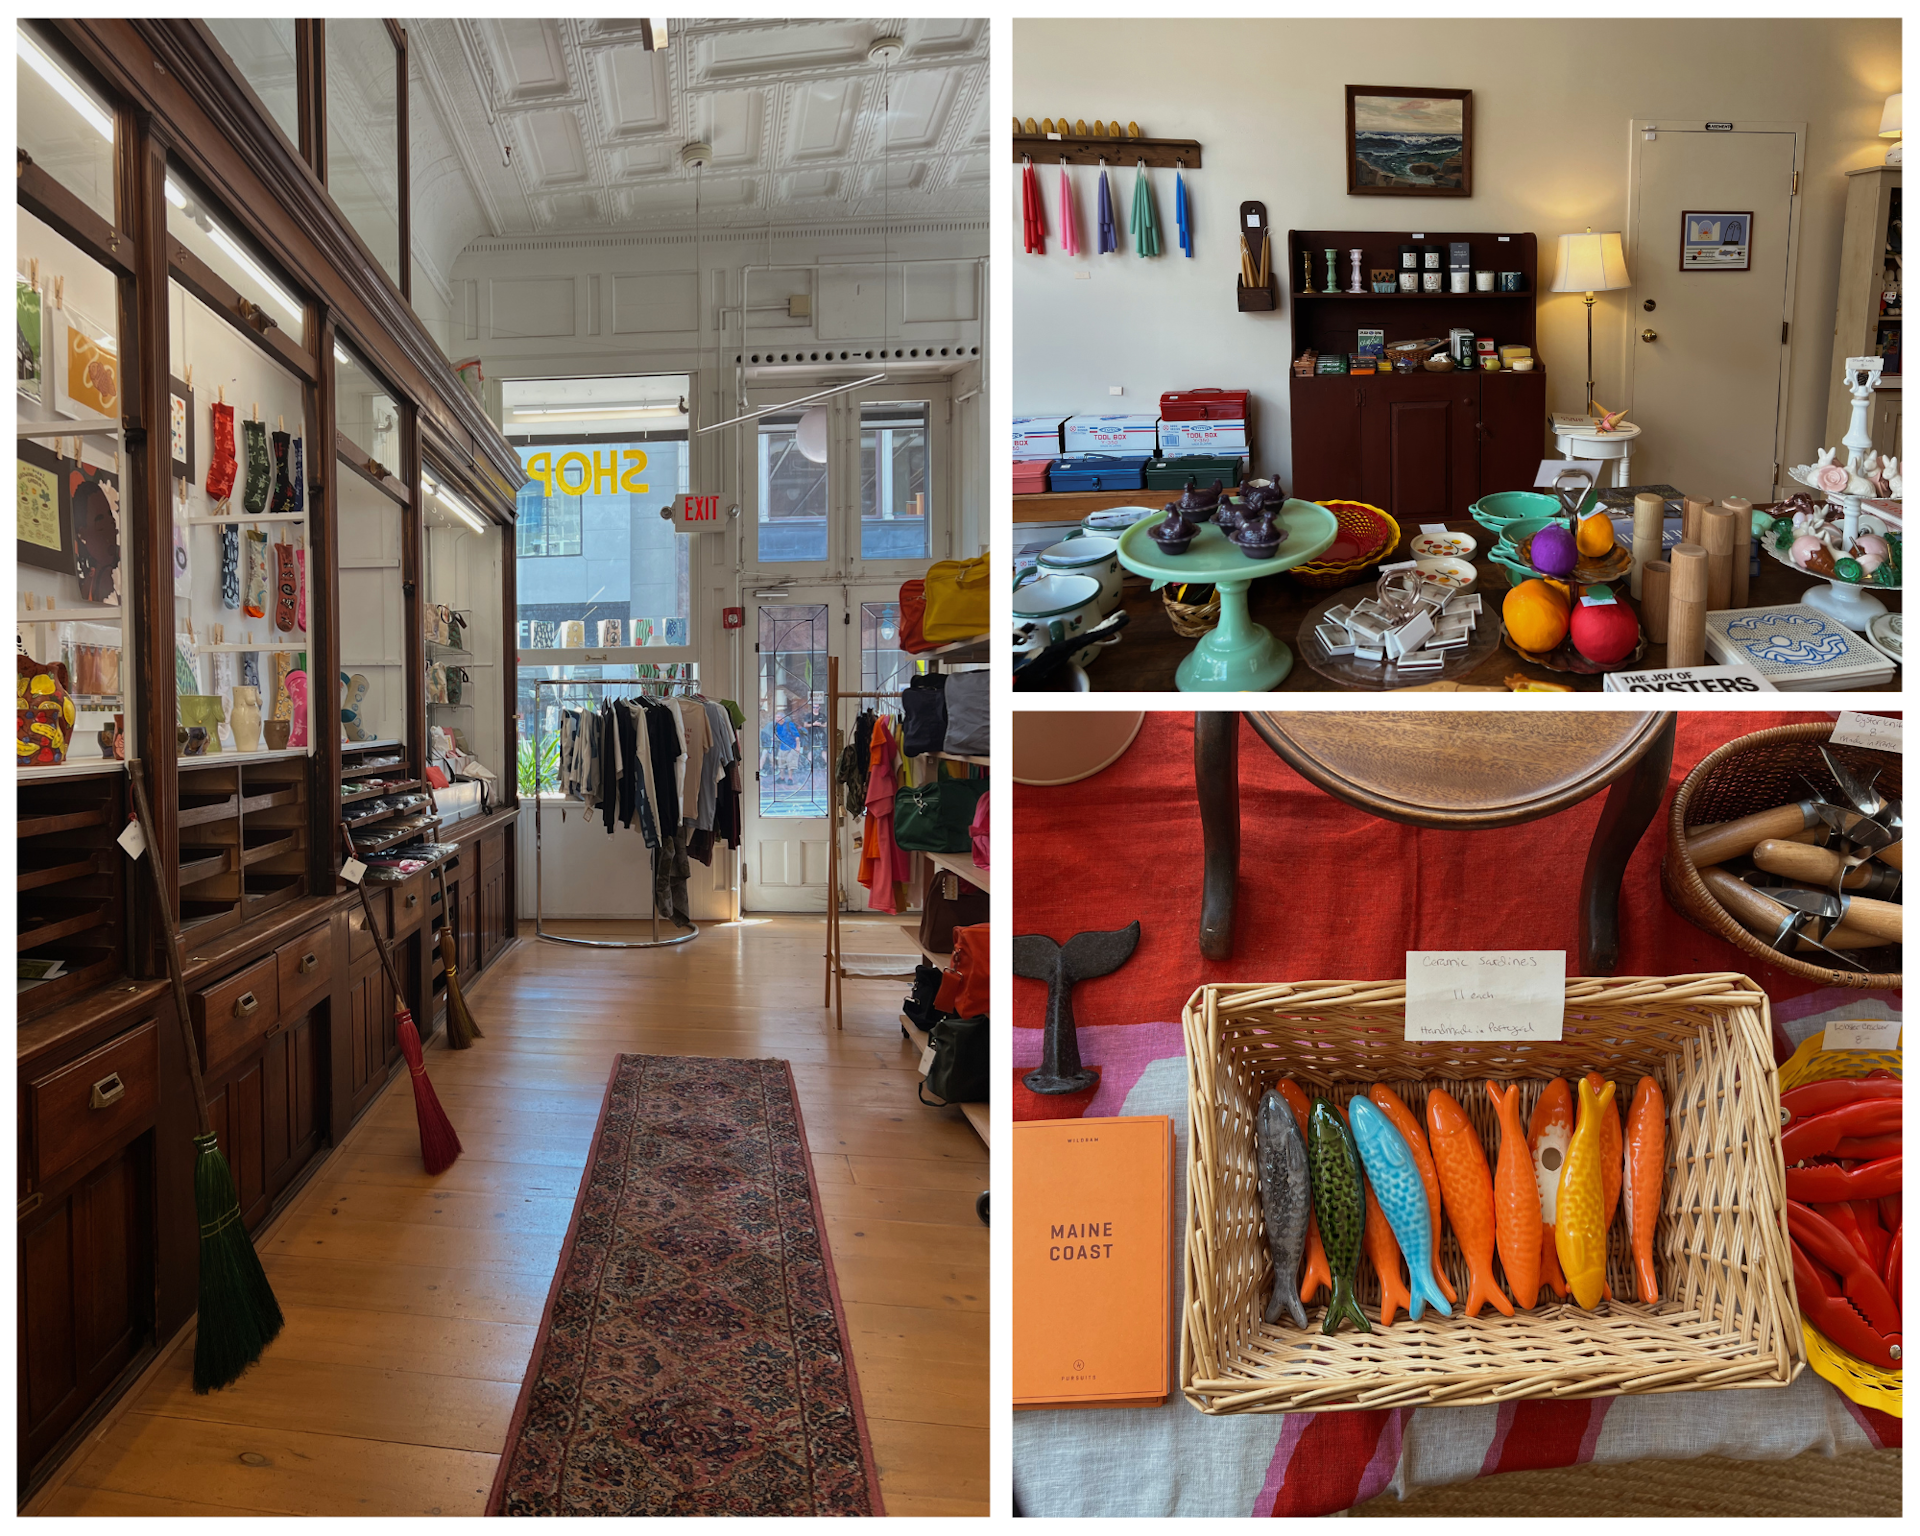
(1202, 468)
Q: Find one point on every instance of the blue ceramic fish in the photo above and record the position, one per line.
(1403, 1199)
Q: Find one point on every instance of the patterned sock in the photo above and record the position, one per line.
(220, 471)
(300, 576)
(255, 606)
(299, 476)
(284, 587)
(281, 499)
(230, 560)
(259, 476)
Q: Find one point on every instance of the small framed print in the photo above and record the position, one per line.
(43, 525)
(180, 427)
(1716, 242)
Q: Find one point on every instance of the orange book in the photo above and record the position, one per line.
(1092, 1262)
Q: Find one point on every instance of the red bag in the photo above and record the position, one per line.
(913, 608)
(964, 988)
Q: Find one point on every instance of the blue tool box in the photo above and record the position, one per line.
(1099, 472)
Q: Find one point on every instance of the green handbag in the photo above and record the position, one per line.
(962, 1061)
(937, 817)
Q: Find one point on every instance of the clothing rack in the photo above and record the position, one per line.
(836, 956)
(630, 685)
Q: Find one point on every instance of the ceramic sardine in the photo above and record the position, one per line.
(1339, 1205)
(1285, 1196)
(1646, 1167)
(1580, 1228)
(1548, 1132)
(1466, 1187)
(1407, 1123)
(1517, 1228)
(1317, 1278)
(1402, 1194)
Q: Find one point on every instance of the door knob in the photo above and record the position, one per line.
(1649, 335)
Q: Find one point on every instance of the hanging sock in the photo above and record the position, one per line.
(286, 588)
(220, 471)
(1145, 223)
(1069, 230)
(300, 582)
(1033, 212)
(281, 498)
(298, 478)
(259, 475)
(1109, 232)
(1181, 215)
(229, 558)
(255, 606)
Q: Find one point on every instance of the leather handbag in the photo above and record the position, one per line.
(950, 903)
(937, 817)
(457, 681)
(913, 607)
(923, 710)
(962, 1063)
(958, 604)
(964, 989)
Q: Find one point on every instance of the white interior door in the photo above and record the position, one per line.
(1707, 349)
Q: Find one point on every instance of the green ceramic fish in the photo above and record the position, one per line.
(1333, 1164)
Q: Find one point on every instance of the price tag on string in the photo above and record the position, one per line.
(1486, 994)
(926, 1061)
(134, 839)
(1853, 729)
(1862, 1035)
(352, 871)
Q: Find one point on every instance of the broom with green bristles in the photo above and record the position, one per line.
(239, 1316)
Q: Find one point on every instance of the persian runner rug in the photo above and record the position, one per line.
(693, 1357)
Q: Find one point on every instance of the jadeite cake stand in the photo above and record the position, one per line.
(1237, 654)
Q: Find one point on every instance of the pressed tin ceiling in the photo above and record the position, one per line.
(537, 126)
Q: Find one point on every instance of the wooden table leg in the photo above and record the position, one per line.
(1216, 775)
(1632, 802)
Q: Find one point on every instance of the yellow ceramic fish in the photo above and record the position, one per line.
(1580, 1213)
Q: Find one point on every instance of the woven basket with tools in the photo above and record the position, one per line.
(1726, 1316)
(1766, 771)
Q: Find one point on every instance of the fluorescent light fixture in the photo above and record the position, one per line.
(248, 265)
(838, 389)
(340, 356)
(599, 412)
(62, 82)
(653, 33)
(175, 195)
(452, 503)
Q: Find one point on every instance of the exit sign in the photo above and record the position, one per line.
(698, 514)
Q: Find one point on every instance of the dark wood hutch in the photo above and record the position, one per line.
(291, 1013)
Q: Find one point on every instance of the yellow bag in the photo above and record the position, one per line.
(958, 607)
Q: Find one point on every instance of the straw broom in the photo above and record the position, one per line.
(239, 1315)
(461, 1029)
(439, 1143)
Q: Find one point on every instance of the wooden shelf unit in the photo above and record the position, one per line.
(65, 856)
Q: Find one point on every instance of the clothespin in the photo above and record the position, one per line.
(33, 271)
(223, 394)
(283, 423)
(190, 626)
(59, 293)
(256, 410)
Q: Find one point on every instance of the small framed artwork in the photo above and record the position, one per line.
(92, 370)
(1716, 242)
(44, 522)
(180, 427)
(1405, 141)
(93, 497)
(29, 348)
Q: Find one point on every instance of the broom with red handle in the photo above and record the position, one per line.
(439, 1143)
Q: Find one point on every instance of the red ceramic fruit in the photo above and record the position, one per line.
(1604, 632)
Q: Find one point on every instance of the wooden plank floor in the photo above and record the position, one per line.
(412, 1303)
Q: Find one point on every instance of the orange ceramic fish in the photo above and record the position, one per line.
(1579, 1229)
(1467, 1188)
(1548, 1133)
(1646, 1167)
(1611, 1166)
(1318, 1275)
(1516, 1201)
(1408, 1125)
(1384, 1249)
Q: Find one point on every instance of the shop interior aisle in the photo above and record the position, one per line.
(412, 1303)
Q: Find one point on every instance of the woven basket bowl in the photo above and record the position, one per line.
(1352, 516)
(1756, 773)
(1727, 1316)
(1192, 620)
(1873, 1385)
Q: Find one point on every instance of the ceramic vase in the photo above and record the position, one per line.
(277, 733)
(45, 712)
(202, 712)
(245, 718)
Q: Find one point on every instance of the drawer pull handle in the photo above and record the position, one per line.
(307, 964)
(108, 1091)
(413, 899)
(30, 1204)
(247, 1006)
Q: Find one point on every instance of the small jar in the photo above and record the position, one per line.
(1483, 282)
(1432, 282)
(1510, 282)
(1409, 258)
(1409, 282)
(1430, 258)
(1458, 281)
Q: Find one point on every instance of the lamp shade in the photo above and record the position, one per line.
(1590, 263)
(1890, 117)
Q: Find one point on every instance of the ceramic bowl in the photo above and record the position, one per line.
(1458, 546)
(1449, 571)
(1521, 365)
(1095, 554)
(1056, 607)
(1499, 508)
(1114, 521)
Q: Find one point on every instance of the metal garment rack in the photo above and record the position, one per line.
(835, 956)
(630, 685)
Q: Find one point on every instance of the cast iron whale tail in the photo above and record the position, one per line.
(1081, 958)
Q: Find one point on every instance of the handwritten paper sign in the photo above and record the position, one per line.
(1486, 994)
(1862, 1035)
(1857, 730)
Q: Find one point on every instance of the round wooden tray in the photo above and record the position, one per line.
(1587, 572)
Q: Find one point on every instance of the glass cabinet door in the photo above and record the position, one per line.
(466, 711)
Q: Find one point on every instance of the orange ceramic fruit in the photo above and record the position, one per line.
(1596, 534)
(1535, 613)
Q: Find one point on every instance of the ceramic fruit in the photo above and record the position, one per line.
(1604, 632)
(1535, 613)
(1596, 535)
(1554, 551)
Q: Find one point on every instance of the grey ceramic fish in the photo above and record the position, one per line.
(1285, 1193)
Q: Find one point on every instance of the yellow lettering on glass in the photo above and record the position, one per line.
(636, 462)
(608, 471)
(540, 466)
(561, 480)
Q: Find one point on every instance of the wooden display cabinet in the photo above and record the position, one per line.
(1420, 445)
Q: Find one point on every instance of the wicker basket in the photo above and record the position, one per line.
(1872, 1385)
(1727, 1315)
(1192, 620)
(1756, 773)
(1352, 516)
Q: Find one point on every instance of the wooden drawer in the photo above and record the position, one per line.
(359, 942)
(409, 905)
(230, 1017)
(493, 850)
(67, 1127)
(306, 968)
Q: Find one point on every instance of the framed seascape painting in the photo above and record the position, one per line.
(1409, 142)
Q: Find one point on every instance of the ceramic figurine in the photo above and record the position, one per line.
(245, 719)
(1286, 1202)
(1339, 1205)
(1259, 537)
(1175, 533)
(1198, 505)
(1081, 958)
(44, 717)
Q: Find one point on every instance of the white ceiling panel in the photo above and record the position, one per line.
(559, 148)
(822, 115)
(919, 101)
(530, 58)
(633, 91)
(730, 121)
(728, 55)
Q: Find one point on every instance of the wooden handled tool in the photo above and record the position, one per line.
(1762, 916)
(1819, 867)
(1863, 914)
(1732, 838)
